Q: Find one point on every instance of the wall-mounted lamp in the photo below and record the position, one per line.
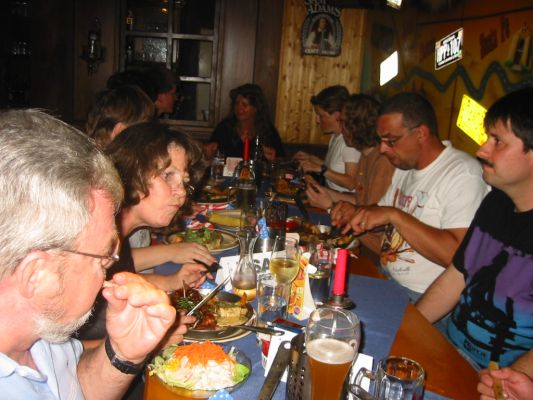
(93, 52)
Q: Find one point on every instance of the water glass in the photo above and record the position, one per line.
(217, 167)
(272, 298)
(321, 259)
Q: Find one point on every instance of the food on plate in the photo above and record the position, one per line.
(231, 218)
(199, 366)
(316, 233)
(213, 194)
(210, 238)
(215, 314)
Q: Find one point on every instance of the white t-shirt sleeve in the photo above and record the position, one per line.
(350, 155)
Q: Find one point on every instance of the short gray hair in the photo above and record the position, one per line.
(47, 172)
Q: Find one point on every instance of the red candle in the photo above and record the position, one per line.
(246, 149)
(340, 272)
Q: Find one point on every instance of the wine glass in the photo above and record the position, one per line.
(332, 340)
(285, 259)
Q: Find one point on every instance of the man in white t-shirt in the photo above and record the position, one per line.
(434, 194)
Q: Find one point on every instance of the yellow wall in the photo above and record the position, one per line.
(489, 29)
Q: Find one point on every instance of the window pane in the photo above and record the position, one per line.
(193, 57)
(195, 104)
(194, 16)
(142, 49)
(147, 15)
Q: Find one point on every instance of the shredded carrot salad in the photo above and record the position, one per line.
(201, 353)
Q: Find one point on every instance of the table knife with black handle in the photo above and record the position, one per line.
(280, 363)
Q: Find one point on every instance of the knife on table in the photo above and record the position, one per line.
(209, 296)
(281, 361)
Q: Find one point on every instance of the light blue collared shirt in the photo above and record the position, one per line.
(56, 377)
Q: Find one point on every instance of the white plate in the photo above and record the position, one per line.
(229, 241)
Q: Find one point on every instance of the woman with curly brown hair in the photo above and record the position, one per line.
(157, 166)
(249, 117)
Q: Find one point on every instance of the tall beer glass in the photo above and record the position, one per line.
(332, 340)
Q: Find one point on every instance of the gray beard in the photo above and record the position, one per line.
(48, 329)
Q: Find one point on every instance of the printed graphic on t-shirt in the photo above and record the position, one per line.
(493, 319)
(394, 246)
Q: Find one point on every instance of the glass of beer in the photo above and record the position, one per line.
(332, 341)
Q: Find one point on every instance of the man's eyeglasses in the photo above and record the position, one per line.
(392, 142)
(105, 260)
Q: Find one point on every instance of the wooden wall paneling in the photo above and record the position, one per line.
(301, 77)
(267, 49)
(51, 61)
(87, 86)
(239, 36)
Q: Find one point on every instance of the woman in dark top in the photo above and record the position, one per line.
(156, 164)
(249, 117)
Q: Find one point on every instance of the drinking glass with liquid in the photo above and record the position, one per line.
(272, 298)
(332, 340)
(285, 259)
(319, 268)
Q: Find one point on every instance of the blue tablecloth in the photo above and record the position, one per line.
(380, 305)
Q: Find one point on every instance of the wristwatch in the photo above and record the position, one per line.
(323, 169)
(123, 366)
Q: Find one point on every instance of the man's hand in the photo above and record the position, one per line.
(176, 332)
(367, 218)
(516, 385)
(342, 213)
(138, 316)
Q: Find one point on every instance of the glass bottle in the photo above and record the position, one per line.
(244, 276)
(258, 161)
(246, 187)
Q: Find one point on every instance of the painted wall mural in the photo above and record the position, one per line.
(497, 55)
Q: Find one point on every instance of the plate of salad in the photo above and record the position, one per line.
(199, 370)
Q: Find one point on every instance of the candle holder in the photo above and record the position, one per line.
(340, 301)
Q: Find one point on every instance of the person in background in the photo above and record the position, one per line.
(489, 286)
(340, 165)
(155, 163)
(133, 77)
(59, 199)
(116, 109)
(168, 89)
(249, 117)
(374, 171)
(431, 201)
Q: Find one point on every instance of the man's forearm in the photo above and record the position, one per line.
(443, 294)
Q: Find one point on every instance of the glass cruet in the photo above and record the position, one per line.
(244, 276)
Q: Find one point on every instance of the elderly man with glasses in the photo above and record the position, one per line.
(57, 218)
(432, 199)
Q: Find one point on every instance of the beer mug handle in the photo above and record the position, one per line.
(356, 388)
